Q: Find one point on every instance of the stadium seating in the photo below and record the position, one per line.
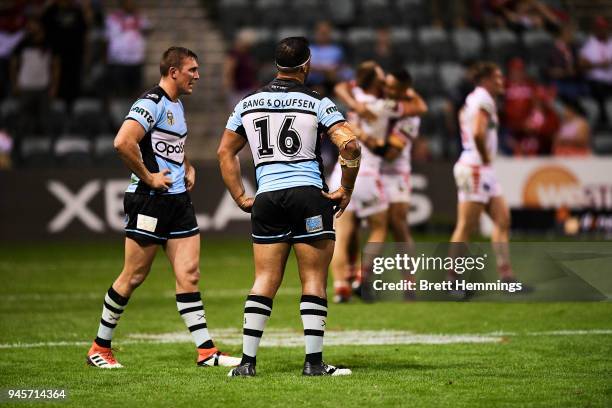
(451, 74)
(502, 44)
(270, 13)
(590, 106)
(602, 143)
(35, 151)
(537, 44)
(403, 41)
(307, 12)
(426, 78)
(468, 43)
(433, 124)
(413, 12)
(73, 150)
(118, 109)
(104, 152)
(235, 14)
(263, 48)
(435, 44)
(377, 13)
(291, 31)
(360, 41)
(58, 117)
(88, 117)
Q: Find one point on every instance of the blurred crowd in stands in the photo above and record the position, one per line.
(63, 64)
(69, 69)
(558, 73)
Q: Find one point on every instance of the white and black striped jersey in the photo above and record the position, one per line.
(283, 123)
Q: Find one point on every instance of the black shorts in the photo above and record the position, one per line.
(297, 214)
(157, 218)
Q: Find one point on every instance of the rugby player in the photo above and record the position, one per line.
(477, 187)
(370, 200)
(395, 168)
(282, 124)
(158, 208)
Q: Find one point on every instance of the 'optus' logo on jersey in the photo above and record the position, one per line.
(144, 113)
(167, 148)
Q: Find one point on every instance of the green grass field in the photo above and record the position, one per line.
(453, 354)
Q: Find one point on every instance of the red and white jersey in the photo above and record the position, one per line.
(402, 136)
(479, 99)
(384, 110)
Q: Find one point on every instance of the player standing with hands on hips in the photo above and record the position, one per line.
(478, 189)
(158, 208)
(282, 124)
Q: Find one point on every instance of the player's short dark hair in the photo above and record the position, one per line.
(291, 53)
(173, 57)
(482, 70)
(366, 74)
(403, 77)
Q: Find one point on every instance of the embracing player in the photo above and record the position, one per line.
(477, 186)
(368, 201)
(386, 110)
(282, 124)
(158, 208)
(395, 168)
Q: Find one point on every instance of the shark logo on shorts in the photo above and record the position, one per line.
(314, 224)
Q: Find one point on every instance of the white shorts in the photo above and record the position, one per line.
(476, 183)
(368, 197)
(397, 187)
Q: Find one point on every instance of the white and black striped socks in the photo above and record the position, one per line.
(191, 308)
(114, 304)
(314, 315)
(257, 310)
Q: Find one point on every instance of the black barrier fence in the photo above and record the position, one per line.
(87, 203)
(41, 204)
(524, 272)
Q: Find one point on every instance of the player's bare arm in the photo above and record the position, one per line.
(126, 144)
(367, 140)
(393, 146)
(480, 133)
(343, 136)
(190, 174)
(343, 91)
(227, 153)
(413, 104)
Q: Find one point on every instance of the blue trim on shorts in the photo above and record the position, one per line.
(271, 237)
(145, 233)
(184, 232)
(315, 234)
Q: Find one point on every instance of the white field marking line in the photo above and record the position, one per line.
(552, 333)
(294, 338)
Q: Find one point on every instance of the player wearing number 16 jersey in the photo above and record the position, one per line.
(282, 123)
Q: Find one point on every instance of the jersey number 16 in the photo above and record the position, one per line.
(288, 139)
